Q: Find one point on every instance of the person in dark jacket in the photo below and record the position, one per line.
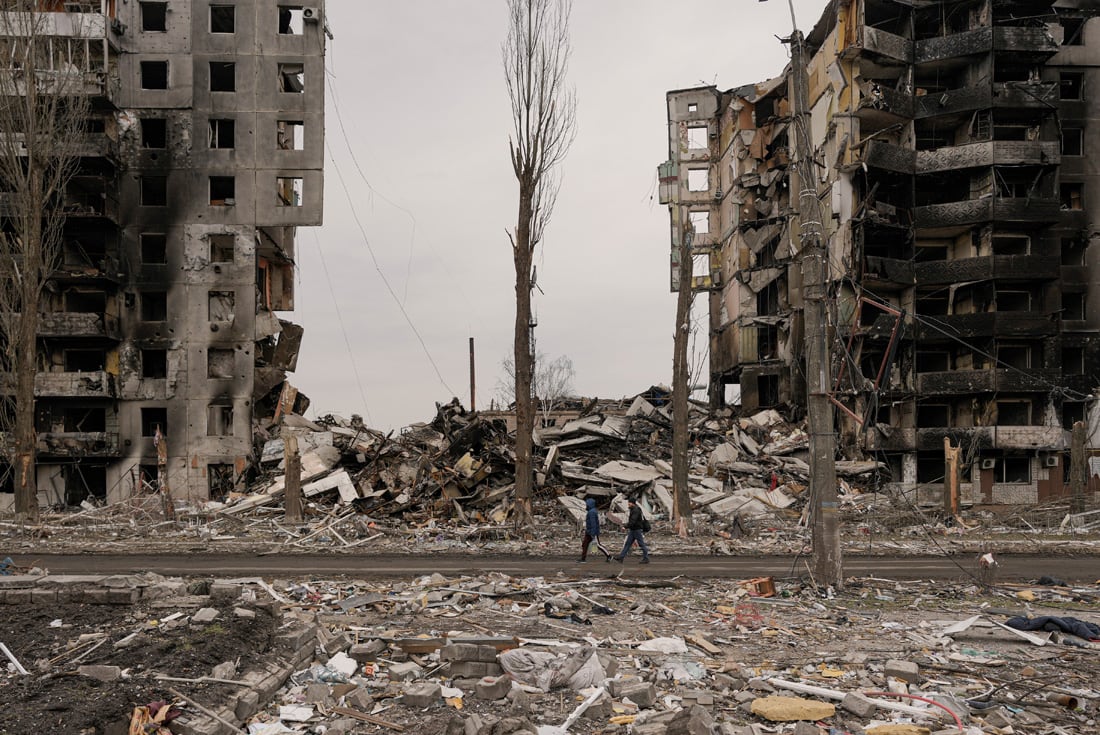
(592, 532)
(635, 525)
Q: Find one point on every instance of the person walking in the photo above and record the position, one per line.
(592, 532)
(636, 526)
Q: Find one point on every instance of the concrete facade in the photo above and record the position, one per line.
(954, 147)
(212, 117)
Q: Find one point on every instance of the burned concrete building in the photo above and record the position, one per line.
(954, 145)
(160, 329)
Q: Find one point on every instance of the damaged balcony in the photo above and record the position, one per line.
(986, 324)
(1030, 43)
(965, 382)
(986, 268)
(78, 324)
(94, 384)
(976, 155)
(77, 444)
(91, 197)
(1009, 210)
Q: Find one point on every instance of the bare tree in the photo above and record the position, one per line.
(681, 500)
(551, 380)
(536, 57)
(43, 116)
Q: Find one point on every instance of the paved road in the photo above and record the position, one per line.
(1073, 570)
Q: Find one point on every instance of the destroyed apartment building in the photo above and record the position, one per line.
(951, 143)
(158, 329)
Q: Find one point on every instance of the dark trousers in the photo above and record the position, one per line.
(632, 535)
(588, 539)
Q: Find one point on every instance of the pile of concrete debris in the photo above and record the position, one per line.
(462, 466)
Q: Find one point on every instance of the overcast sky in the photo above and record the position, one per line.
(419, 87)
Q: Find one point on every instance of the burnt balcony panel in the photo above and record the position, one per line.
(953, 46)
(988, 153)
(896, 158)
(966, 382)
(78, 444)
(884, 438)
(62, 324)
(1032, 43)
(93, 384)
(1025, 95)
(1021, 324)
(1017, 210)
(888, 271)
(952, 101)
(973, 438)
(989, 267)
(888, 45)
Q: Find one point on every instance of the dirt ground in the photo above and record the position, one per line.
(57, 700)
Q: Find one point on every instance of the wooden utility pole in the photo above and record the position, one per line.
(950, 478)
(1078, 468)
(813, 254)
(293, 482)
(160, 441)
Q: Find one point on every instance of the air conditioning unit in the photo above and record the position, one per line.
(1050, 460)
(311, 15)
(988, 463)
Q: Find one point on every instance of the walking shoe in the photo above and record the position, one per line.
(582, 561)
(608, 559)
(619, 559)
(645, 560)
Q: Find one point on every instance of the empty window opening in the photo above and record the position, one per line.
(220, 363)
(1072, 141)
(154, 364)
(84, 361)
(1073, 252)
(929, 468)
(693, 107)
(154, 418)
(84, 480)
(698, 179)
(221, 248)
(1014, 356)
(1013, 301)
(1013, 413)
(223, 19)
(223, 76)
(79, 301)
(930, 361)
(219, 420)
(154, 75)
(1073, 31)
(698, 138)
(223, 191)
(1073, 306)
(700, 266)
(1070, 85)
(290, 19)
(222, 133)
(1072, 412)
(154, 132)
(154, 248)
(767, 342)
(1072, 195)
(1073, 361)
(288, 191)
(154, 191)
(154, 17)
(1011, 244)
(291, 135)
(1006, 72)
(933, 415)
(220, 306)
(1013, 470)
(154, 306)
(933, 304)
(767, 390)
(219, 479)
(767, 300)
(292, 78)
(700, 222)
(84, 419)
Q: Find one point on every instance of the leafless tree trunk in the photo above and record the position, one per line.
(681, 498)
(536, 57)
(43, 115)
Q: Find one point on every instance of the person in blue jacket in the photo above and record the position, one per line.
(592, 532)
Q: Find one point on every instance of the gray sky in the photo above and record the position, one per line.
(420, 89)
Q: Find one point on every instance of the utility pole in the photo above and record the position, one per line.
(813, 255)
(292, 482)
(950, 478)
(473, 382)
(1078, 463)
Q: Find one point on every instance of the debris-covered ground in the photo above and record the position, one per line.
(492, 655)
